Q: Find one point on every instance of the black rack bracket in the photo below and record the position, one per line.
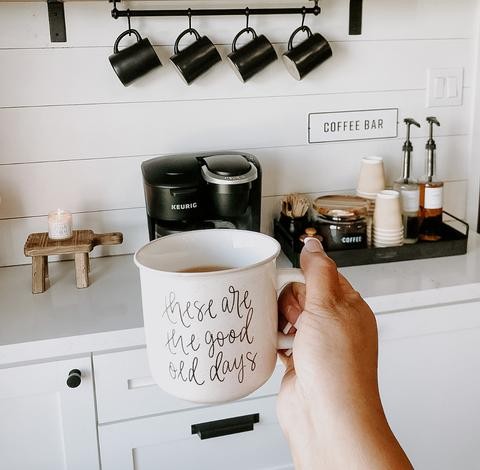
(56, 19)
(356, 14)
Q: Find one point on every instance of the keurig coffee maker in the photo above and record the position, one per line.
(204, 190)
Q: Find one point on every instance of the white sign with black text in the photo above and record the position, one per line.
(353, 125)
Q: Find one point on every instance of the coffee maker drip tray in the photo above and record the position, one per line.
(223, 224)
(169, 228)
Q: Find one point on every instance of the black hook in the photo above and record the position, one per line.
(189, 13)
(247, 15)
(129, 24)
(114, 9)
(304, 14)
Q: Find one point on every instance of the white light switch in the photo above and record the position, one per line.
(452, 87)
(439, 88)
(445, 87)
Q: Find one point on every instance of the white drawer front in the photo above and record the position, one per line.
(167, 443)
(125, 389)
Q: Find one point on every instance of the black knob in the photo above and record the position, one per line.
(74, 378)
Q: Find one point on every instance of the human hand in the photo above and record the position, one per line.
(329, 404)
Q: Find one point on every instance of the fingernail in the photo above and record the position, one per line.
(297, 323)
(313, 245)
(286, 330)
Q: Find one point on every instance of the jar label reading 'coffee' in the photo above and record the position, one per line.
(433, 198)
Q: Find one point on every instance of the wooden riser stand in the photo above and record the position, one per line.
(38, 246)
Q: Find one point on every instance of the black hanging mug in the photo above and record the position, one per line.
(134, 61)
(306, 56)
(252, 57)
(196, 59)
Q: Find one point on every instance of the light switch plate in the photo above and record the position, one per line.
(445, 87)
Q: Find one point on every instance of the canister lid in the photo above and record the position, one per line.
(341, 207)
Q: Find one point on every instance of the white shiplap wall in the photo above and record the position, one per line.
(72, 136)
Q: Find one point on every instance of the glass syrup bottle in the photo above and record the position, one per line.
(431, 193)
(409, 190)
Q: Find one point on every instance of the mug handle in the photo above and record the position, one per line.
(305, 29)
(176, 49)
(128, 31)
(284, 277)
(243, 31)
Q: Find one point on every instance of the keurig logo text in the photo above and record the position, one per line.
(182, 207)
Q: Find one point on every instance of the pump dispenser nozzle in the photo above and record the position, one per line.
(407, 150)
(431, 148)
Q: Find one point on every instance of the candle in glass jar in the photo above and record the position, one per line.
(59, 225)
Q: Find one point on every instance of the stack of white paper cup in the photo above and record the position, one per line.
(387, 220)
(370, 182)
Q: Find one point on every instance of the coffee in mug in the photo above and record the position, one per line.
(210, 312)
(204, 269)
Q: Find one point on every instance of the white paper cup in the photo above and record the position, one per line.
(388, 231)
(386, 245)
(372, 177)
(388, 212)
(388, 240)
(395, 234)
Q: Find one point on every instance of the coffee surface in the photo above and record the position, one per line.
(204, 269)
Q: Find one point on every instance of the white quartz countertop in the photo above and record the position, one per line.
(66, 321)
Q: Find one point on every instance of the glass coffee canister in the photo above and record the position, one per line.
(342, 221)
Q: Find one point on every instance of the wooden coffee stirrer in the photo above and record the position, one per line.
(81, 243)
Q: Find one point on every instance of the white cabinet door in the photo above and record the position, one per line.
(168, 442)
(44, 424)
(430, 384)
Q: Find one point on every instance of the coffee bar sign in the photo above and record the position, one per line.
(353, 125)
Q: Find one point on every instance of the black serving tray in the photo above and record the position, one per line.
(453, 243)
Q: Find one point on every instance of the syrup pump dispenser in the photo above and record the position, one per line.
(431, 150)
(431, 192)
(409, 190)
(407, 150)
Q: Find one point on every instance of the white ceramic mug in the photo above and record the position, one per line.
(212, 336)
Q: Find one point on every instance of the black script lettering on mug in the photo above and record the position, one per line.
(189, 375)
(174, 311)
(220, 338)
(175, 342)
(251, 358)
(236, 301)
(196, 310)
(204, 309)
(222, 367)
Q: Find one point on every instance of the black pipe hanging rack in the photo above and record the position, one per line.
(315, 10)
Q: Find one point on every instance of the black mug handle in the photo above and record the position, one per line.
(128, 31)
(305, 29)
(176, 50)
(243, 31)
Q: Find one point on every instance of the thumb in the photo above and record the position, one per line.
(323, 287)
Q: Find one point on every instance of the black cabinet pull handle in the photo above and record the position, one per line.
(224, 427)
(74, 378)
